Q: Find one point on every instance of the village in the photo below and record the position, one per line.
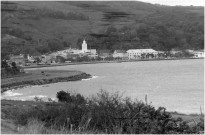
(84, 55)
(102, 67)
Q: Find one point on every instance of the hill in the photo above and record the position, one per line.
(40, 26)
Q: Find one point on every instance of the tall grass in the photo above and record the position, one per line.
(33, 126)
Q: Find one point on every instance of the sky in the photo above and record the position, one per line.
(161, 2)
(176, 2)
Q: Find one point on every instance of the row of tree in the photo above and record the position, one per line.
(9, 69)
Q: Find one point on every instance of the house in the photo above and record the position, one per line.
(122, 54)
(60, 59)
(175, 51)
(18, 59)
(199, 54)
(76, 51)
(140, 53)
(92, 56)
(92, 51)
(161, 54)
(189, 51)
(63, 53)
(49, 58)
(104, 53)
(30, 58)
(83, 52)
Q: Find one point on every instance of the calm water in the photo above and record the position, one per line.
(177, 85)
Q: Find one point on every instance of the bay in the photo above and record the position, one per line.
(177, 85)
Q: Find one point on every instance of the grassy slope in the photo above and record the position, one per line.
(36, 74)
(97, 11)
(46, 28)
(50, 28)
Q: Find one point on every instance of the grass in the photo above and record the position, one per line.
(105, 113)
(39, 77)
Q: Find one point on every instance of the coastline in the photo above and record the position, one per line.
(41, 77)
(99, 62)
(48, 78)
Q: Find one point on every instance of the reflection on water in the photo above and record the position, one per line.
(177, 85)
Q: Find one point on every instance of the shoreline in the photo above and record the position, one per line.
(37, 78)
(99, 62)
(64, 79)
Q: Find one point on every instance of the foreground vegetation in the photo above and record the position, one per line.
(104, 113)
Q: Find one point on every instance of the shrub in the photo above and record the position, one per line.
(67, 97)
(8, 70)
(38, 99)
(64, 96)
(104, 113)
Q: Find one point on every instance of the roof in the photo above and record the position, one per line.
(160, 51)
(141, 50)
(104, 51)
(60, 56)
(199, 51)
(91, 49)
(16, 56)
(120, 51)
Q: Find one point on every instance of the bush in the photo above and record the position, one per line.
(104, 113)
(8, 70)
(67, 97)
(64, 96)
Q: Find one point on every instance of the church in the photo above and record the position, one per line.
(86, 50)
(84, 47)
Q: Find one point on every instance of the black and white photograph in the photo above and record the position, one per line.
(102, 67)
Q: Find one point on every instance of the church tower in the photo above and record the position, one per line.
(84, 47)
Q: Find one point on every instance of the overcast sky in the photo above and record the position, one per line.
(176, 2)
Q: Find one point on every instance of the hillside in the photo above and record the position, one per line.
(39, 27)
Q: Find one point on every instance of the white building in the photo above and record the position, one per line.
(92, 51)
(84, 47)
(76, 51)
(30, 58)
(199, 54)
(83, 52)
(120, 54)
(137, 53)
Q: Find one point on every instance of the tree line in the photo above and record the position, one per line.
(9, 69)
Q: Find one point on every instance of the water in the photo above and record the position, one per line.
(177, 85)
